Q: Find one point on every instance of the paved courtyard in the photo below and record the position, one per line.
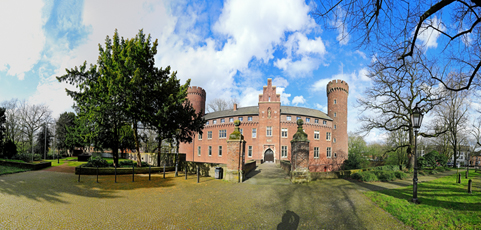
(50, 199)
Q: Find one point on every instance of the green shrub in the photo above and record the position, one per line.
(440, 169)
(400, 175)
(385, 175)
(387, 168)
(422, 173)
(97, 162)
(432, 172)
(366, 176)
(129, 163)
(27, 157)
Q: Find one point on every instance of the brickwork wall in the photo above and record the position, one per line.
(337, 94)
(196, 96)
(300, 156)
(337, 90)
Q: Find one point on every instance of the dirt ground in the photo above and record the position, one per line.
(54, 199)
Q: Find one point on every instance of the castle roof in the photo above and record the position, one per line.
(254, 110)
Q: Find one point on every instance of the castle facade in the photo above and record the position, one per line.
(268, 129)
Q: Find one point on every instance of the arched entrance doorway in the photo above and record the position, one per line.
(269, 155)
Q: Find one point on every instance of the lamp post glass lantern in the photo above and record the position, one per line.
(416, 120)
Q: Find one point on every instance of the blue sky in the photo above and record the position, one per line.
(228, 48)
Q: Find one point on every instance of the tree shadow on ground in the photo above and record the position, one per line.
(51, 186)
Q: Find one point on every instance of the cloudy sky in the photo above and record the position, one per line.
(229, 48)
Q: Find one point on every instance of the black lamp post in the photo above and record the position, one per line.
(416, 120)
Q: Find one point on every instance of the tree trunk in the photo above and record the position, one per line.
(136, 139)
(115, 147)
(159, 150)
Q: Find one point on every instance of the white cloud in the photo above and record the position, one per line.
(298, 100)
(343, 35)
(300, 68)
(21, 48)
(428, 35)
(362, 54)
(284, 96)
(321, 108)
(249, 97)
(280, 82)
(303, 55)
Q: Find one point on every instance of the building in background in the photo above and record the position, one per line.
(268, 129)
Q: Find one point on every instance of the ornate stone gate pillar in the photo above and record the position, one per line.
(300, 155)
(235, 155)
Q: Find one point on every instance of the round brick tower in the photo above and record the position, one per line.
(337, 93)
(196, 96)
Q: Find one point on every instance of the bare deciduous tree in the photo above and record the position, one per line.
(409, 25)
(393, 95)
(33, 117)
(453, 115)
(220, 104)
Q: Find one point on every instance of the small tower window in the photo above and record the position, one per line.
(335, 101)
(269, 98)
(335, 114)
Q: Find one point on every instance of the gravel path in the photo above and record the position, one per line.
(54, 200)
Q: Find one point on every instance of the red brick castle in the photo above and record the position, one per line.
(268, 129)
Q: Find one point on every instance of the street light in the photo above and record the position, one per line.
(416, 120)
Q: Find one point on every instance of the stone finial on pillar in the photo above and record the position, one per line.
(300, 155)
(235, 155)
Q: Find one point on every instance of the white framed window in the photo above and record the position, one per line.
(284, 133)
(335, 126)
(324, 122)
(209, 134)
(328, 152)
(284, 151)
(214, 122)
(198, 151)
(222, 120)
(335, 101)
(328, 136)
(269, 131)
(297, 118)
(316, 152)
(249, 152)
(249, 118)
(240, 130)
(210, 151)
(254, 132)
(335, 114)
(316, 121)
(222, 133)
(241, 118)
(308, 119)
(220, 150)
(200, 137)
(316, 135)
(334, 140)
(288, 118)
(231, 119)
(207, 123)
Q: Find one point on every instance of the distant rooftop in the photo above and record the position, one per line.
(254, 110)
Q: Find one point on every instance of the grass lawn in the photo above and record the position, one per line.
(445, 204)
(71, 161)
(9, 169)
(12, 160)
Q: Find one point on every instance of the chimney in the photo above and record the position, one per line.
(235, 107)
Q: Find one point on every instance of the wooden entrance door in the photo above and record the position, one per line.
(269, 156)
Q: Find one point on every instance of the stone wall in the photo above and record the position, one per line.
(286, 166)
